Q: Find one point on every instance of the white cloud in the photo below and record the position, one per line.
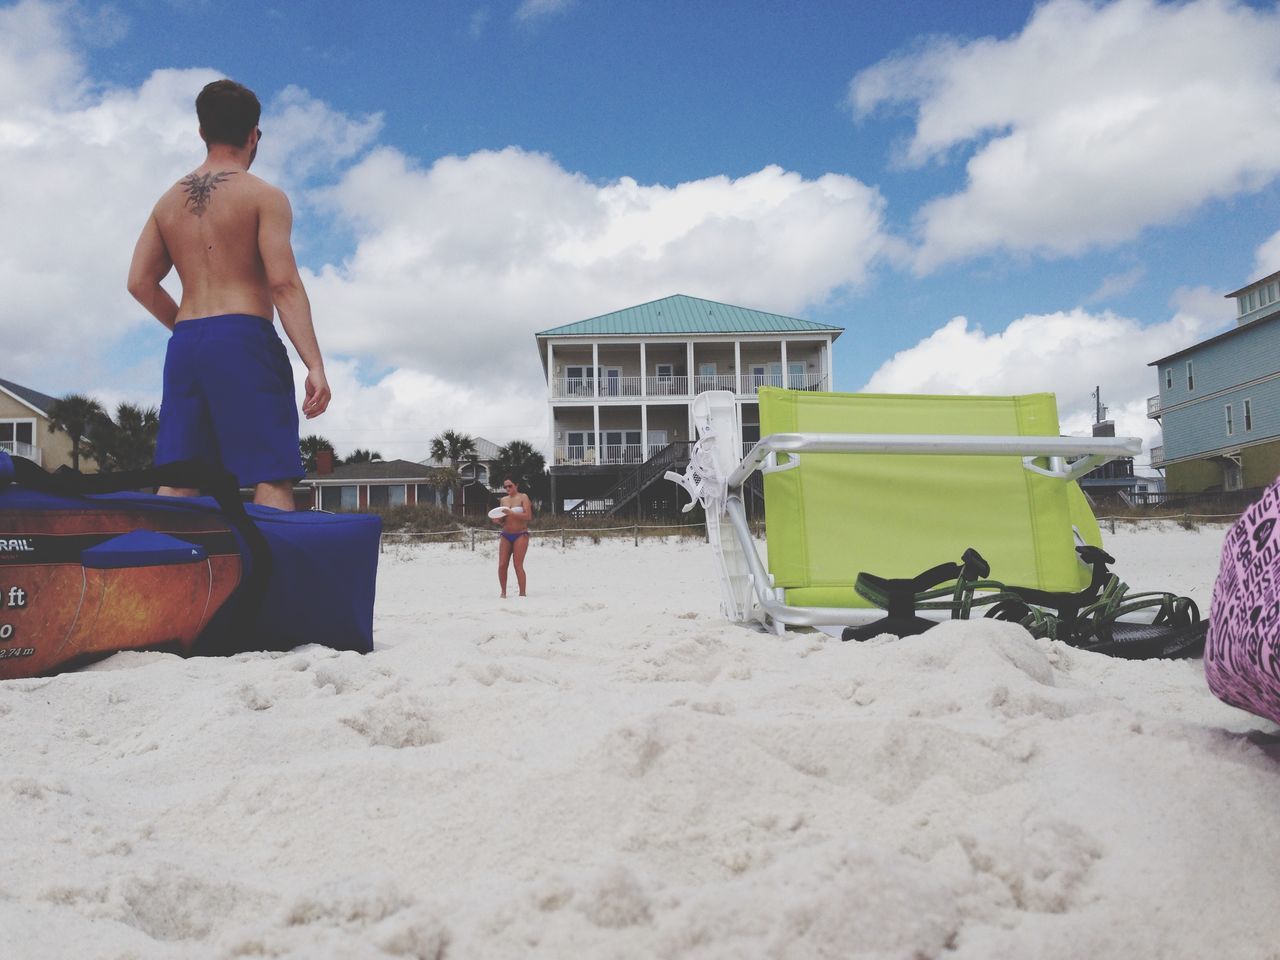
(1267, 258)
(535, 9)
(1095, 121)
(456, 266)
(1116, 285)
(1067, 353)
(399, 413)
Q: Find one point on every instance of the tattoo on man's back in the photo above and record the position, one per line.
(199, 189)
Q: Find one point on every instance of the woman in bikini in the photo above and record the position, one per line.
(513, 538)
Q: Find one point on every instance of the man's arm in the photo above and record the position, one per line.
(151, 264)
(275, 223)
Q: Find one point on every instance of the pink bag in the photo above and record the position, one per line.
(1242, 654)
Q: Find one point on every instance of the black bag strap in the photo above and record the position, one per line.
(210, 480)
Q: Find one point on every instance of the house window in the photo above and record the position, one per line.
(432, 495)
(17, 431)
(1168, 378)
(579, 381)
(1248, 415)
(338, 498)
(582, 446)
(1242, 305)
(1191, 377)
(1230, 426)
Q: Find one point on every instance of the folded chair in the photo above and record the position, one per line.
(932, 478)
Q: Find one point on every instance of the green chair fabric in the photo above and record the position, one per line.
(896, 515)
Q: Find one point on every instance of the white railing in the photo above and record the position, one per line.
(714, 381)
(16, 448)
(584, 388)
(612, 453)
(573, 387)
(1153, 406)
(1157, 456)
(667, 386)
(620, 386)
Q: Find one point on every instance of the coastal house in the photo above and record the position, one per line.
(1219, 401)
(372, 485)
(475, 469)
(619, 388)
(24, 427)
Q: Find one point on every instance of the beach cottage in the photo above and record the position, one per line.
(619, 387)
(24, 427)
(1219, 401)
(372, 485)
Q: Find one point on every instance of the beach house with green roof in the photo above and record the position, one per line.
(619, 388)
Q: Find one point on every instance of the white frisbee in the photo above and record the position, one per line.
(497, 513)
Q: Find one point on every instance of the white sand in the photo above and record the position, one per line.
(606, 769)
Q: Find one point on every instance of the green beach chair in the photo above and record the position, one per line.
(892, 485)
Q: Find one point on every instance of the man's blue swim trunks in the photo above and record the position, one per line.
(228, 399)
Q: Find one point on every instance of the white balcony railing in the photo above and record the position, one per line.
(16, 448)
(714, 381)
(667, 386)
(584, 388)
(610, 454)
(1153, 407)
(1157, 456)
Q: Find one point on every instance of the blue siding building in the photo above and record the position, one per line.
(1219, 401)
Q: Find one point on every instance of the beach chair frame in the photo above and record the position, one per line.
(717, 478)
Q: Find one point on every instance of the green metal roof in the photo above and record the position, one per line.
(679, 314)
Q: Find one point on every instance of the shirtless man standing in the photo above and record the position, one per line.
(228, 386)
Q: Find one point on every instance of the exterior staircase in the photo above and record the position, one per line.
(623, 494)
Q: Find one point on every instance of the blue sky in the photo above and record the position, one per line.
(1081, 182)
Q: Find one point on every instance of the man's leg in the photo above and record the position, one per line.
(276, 493)
(177, 491)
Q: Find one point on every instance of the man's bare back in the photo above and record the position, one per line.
(209, 223)
(227, 233)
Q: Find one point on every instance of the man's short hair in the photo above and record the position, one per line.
(228, 112)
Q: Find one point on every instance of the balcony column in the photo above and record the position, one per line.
(595, 370)
(689, 368)
(644, 432)
(831, 382)
(785, 374)
(737, 365)
(599, 447)
(644, 372)
(551, 367)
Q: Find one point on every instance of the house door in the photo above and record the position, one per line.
(706, 377)
(609, 381)
(795, 375)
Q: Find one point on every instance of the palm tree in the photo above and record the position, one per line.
(363, 456)
(522, 463)
(311, 445)
(452, 446)
(135, 437)
(73, 415)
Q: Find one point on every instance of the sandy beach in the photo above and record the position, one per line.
(607, 769)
